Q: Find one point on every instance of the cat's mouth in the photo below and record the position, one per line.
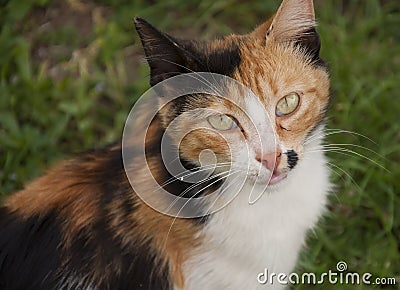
(277, 177)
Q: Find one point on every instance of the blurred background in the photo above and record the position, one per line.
(71, 70)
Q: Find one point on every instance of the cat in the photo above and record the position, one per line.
(82, 226)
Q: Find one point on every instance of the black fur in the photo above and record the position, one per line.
(224, 60)
(121, 266)
(171, 183)
(310, 42)
(34, 253)
(292, 158)
(28, 251)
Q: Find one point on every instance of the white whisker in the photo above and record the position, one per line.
(352, 145)
(196, 184)
(193, 171)
(345, 172)
(220, 193)
(348, 152)
(328, 132)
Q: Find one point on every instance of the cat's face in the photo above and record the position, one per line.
(263, 133)
(292, 95)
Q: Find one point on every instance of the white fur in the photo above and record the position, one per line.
(241, 240)
(262, 125)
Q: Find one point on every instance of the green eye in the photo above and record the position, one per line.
(287, 104)
(222, 122)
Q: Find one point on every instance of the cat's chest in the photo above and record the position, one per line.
(238, 247)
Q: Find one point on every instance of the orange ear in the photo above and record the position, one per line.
(293, 22)
(292, 19)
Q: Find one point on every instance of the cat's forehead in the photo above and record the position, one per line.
(267, 69)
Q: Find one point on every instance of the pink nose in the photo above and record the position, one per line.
(270, 160)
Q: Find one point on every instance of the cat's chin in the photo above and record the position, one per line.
(276, 178)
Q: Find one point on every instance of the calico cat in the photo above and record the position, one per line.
(82, 226)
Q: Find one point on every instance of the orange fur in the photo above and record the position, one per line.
(74, 195)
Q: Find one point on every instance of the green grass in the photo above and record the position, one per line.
(70, 72)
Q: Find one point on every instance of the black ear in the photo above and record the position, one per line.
(310, 42)
(166, 55)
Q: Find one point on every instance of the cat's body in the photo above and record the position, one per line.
(82, 226)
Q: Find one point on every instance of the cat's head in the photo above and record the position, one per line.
(263, 133)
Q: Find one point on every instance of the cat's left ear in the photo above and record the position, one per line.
(293, 22)
(166, 55)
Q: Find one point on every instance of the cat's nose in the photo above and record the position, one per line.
(270, 160)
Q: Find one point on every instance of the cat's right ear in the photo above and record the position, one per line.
(165, 55)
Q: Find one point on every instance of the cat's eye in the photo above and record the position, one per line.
(221, 122)
(288, 104)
